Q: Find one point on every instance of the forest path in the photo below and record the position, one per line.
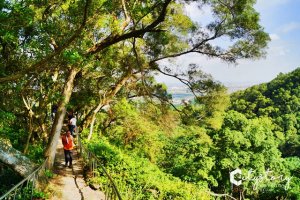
(68, 183)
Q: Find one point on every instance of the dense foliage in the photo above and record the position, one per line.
(200, 154)
(83, 55)
(138, 178)
(278, 100)
(98, 59)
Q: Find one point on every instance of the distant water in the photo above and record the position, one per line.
(180, 94)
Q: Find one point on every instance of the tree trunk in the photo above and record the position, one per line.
(30, 125)
(15, 159)
(94, 119)
(30, 133)
(90, 119)
(59, 118)
(87, 119)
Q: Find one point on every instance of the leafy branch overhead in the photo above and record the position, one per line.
(99, 59)
(162, 30)
(91, 53)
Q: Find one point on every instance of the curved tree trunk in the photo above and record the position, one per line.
(105, 100)
(15, 159)
(30, 125)
(59, 118)
(100, 105)
(29, 134)
(87, 119)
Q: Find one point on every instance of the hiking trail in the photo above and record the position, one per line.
(68, 183)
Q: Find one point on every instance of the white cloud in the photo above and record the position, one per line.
(280, 58)
(202, 15)
(274, 36)
(282, 52)
(276, 51)
(290, 27)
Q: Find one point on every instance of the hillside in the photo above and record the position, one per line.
(278, 100)
(88, 68)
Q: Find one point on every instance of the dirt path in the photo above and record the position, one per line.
(68, 183)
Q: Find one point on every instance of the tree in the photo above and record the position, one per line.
(209, 108)
(15, 159)
(187, 156)
(279, 100)
(52, 38)
(246, 144)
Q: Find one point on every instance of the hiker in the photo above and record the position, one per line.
(72, 125)
(54, 108)
(70, 114)
(67, 141)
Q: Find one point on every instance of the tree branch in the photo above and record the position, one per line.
(113, 39)
(162, 99)
(222, 195)
(41, 65)
(182, 80)
(150, 10)
(127, 17)
(195, 47)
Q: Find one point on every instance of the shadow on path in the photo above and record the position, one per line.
(68, 183)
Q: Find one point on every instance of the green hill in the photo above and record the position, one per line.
(278, 100)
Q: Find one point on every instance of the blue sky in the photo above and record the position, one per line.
(281, 19)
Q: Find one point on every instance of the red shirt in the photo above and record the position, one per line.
(67, 142)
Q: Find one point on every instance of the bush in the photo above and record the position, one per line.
(138, 178)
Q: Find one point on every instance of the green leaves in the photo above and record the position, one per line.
(72, 56)
(114, 45)
(279, 100)
(137, 178)
(187, 156)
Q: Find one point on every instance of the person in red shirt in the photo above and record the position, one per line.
(68, 143)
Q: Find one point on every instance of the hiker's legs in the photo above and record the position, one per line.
(71, 159)
(72, 129)
(66, 156)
